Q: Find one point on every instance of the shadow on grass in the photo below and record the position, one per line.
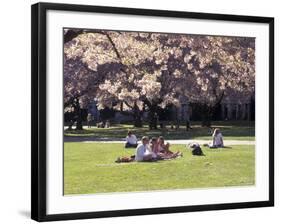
(230, 130)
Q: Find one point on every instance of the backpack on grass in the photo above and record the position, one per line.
(195, 149)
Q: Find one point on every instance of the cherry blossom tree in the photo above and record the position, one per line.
(136, 72)
(221, 66)
(78, 86)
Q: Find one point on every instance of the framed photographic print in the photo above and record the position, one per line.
(139, 111)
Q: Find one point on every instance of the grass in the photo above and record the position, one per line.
(90, 168)
(231, 131)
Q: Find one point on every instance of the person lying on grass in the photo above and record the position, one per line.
(131, 140)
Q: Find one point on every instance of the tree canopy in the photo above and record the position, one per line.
(138, 71)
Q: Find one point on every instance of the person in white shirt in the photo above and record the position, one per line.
(217, 139)
(142, 151)
(131, 140)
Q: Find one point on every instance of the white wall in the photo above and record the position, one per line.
(15, 110)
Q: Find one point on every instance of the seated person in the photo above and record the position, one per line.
(131, 140)
(142, 151)
(153, 148)
(153, 145)
(217, 139)
(164, 151)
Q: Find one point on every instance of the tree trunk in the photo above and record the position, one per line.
(71, 121)
(137, 122)
(206, 115)
(206, 123)
(153, 117)
(137, 117)
(153, 124)
(70, 126)
(78, 114)
(79, 125)
(187, 125)
(208, 111)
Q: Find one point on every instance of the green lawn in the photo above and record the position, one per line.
(231, 131)
(90, 168)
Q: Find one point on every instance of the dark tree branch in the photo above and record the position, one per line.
(113, 45)
(128, 105)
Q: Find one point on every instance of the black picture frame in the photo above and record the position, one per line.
(39, 124)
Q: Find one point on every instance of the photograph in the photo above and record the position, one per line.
(154, 111)
(140, 112)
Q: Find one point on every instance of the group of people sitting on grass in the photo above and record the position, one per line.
(156, 149)
(148, 150)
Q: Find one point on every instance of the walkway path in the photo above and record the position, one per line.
(185, 142)
(180, 142)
